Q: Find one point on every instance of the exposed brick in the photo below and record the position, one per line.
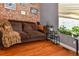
(16, 15)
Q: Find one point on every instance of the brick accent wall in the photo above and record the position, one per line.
(16, 14)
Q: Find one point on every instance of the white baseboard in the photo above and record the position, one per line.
(68, 47)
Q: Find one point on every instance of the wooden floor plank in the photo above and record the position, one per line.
(37, 48)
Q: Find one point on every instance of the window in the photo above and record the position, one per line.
(10, 6)
(69, 17)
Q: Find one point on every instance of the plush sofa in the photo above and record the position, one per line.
(28, 31)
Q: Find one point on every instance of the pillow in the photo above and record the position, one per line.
(27, 27)
(34, 26)
(17, 26)
(40, 27)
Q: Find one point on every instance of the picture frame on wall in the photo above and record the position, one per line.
(34, 10)
(11, 6)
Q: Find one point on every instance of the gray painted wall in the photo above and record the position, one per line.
(49, 11)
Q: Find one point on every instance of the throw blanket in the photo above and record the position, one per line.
(10, 37)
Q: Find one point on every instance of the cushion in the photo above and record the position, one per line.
(34, 26)
(24, 35)
(40, 27)
(27, 27)
(17, 26)
(35, 34)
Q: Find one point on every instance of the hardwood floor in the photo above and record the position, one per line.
(37, 48)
